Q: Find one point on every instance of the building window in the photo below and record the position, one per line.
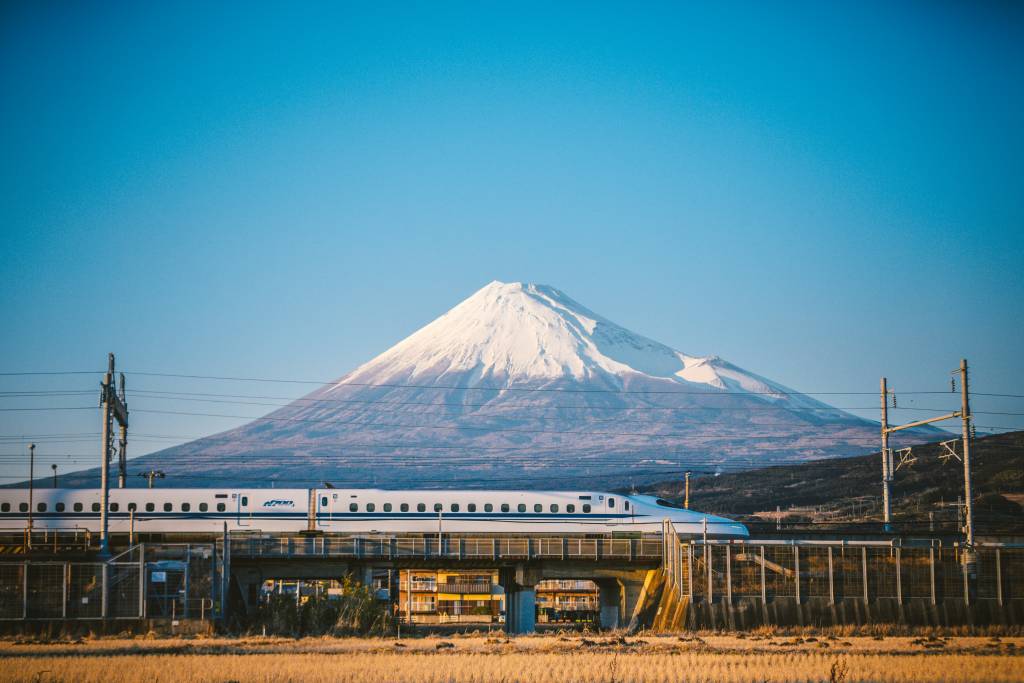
(60, 507)
(221, 507)
(554, 507)
(41, 507)
(570, 508)
(471, 507)
(586, 507)
(455, 507)
(353, 507)
(504, 507)
(387, 507)
(114, 507)
(186, 507)
(521, 507)
(203, 507)
(611, 502)
(150, 507)
(421, 507)
(488, 507)
(23, 507)
(95, 507)
(404, 507)
(537, 507)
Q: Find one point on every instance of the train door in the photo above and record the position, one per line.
(325, 507)
(244, 513)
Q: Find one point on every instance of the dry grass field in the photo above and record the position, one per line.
(540, 659)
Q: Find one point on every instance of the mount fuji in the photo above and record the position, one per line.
(521, 386)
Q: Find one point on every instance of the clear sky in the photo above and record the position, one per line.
(822, 193)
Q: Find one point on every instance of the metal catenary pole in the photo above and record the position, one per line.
(105, 452)
(886, 474)
(965, 417)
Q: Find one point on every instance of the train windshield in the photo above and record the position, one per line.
(666, 504)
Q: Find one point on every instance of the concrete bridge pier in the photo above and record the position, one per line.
(610, 597)
(520, 586)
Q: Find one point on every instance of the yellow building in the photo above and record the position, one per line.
(445, 596)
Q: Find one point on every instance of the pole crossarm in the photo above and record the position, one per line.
(940, 418)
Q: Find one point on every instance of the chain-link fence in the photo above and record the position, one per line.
(124, 587)
(838, 570)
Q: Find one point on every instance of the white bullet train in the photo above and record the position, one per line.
(172, 510)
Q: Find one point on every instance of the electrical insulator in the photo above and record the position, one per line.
(973, 433)
(894, 400)
(952, 385)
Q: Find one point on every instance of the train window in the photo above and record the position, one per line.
(203, 507)
(471, 507)
(221, 507)
(323, 501)
(41, 507)
(114, 507)
(537, 507)
(570, 508)
(78, 507)
(421, 507)
(584, 497)
(353, 507)
(521, 507)
(168, 507)
(60, 507)
(404, 507)
(625, 504)
(437, 507)
(150, 507)
(611, 502)
(370, 507)
(5, 507)
(488, 507)
(95, 507)
(185, 507)
(387, 507)
(554, 507)
(245, 500)
(504, 507)
(23, 507)
(455, 507)
(220, 495)
(133, 507)
(586, 507)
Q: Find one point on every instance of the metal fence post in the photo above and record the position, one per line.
(142, 578)
(708, 559)
(689, 571)
(24, 589)
(64, 593)
(796, 572)
(899, 576)
(864, 572)
(831, 579)
(963, 572)
(728, 574)
(999, 579)
(764, 587)
(931, 572)
(104, 586)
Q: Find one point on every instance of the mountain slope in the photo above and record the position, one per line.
(519, 385)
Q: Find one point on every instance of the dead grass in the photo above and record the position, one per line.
(735, 658)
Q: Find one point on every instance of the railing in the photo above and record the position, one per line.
(644, 549)
(482, 587)
(66, 539)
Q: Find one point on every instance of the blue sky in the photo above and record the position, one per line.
(819, 192)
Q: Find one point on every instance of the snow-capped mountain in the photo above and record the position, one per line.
(517, 386)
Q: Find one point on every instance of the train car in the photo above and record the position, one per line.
(358, 511)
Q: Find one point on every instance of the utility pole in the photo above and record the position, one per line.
(886, 464)
(122, 442)
(965, 420)
(113, 408)
(686, 498)
(31, 487)
(152, 474)
(54, 468)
